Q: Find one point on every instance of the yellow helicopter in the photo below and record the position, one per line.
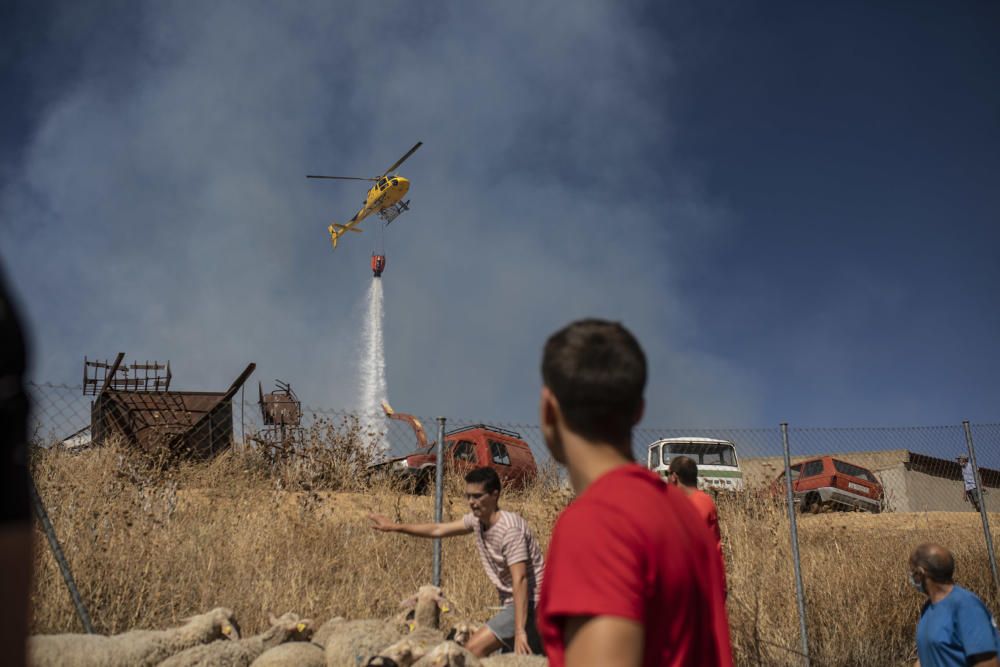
(384, 199)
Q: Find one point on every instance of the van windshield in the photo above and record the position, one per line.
(708, 454)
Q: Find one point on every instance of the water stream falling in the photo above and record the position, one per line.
(373, 385)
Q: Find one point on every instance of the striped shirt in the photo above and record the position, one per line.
(508, 541)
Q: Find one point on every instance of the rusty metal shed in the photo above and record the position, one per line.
(146, 414)
(280, 407)
(281, 412)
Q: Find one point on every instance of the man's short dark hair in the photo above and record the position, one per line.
(686, 470)
(936, 561)
(488, 477)
(597, 371)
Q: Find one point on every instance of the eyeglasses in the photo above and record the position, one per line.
(475, 496)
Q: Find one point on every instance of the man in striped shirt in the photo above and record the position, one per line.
(510, 555)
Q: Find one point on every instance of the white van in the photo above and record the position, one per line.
(718, 465)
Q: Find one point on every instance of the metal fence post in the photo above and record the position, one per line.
(438, 499)
(796, 561)
(50, 533)
(982, 505)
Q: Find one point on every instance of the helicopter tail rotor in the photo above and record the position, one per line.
(337, 230)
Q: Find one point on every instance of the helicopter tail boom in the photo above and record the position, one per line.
(337, 230)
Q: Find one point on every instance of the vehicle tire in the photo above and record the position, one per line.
(810, 503)
(422, 481)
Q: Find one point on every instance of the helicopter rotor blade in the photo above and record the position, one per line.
(403, 159)
(342, 178)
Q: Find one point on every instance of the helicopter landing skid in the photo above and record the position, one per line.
(392, 212)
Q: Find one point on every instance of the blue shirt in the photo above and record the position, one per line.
(955, 628)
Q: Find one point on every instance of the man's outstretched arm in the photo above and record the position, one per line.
(603, 641)
(449, 529)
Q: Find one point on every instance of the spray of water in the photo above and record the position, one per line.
(373, 385)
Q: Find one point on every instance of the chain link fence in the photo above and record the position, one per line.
(922, 476)
(918, 468)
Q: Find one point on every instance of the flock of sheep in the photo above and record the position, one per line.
(412, 639)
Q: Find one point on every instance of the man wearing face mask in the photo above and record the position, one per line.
(955, 628)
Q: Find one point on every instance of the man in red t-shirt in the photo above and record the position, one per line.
(632, 577)
(684, 474)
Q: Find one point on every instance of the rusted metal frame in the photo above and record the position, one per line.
(226, 398)
(238, 382)
(174, 422)
(114, 417)
(110, 372)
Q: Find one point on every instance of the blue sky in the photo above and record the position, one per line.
(860, 149)
(794, 207)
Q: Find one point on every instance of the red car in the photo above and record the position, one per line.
(829, 482)
(477, 446)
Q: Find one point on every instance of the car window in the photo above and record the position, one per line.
(853, 470)
(464, 451)
(812, 468)
(795, 474)
(654, 457)
(499, 453)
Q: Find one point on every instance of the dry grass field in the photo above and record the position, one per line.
(151, 542)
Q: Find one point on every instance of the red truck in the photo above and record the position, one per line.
(465, 448)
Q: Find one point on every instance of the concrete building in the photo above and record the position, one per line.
(913, 482)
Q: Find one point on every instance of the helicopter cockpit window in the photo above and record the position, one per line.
(383, 184)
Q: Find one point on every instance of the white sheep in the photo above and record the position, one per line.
(448, 654)
(324, 631)
(288, 627)
(355, 642)
(136, 648)
(292, 654)
(511, 660)
(426, 605)
(424, 630)
(462, 631)
(403, 653)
